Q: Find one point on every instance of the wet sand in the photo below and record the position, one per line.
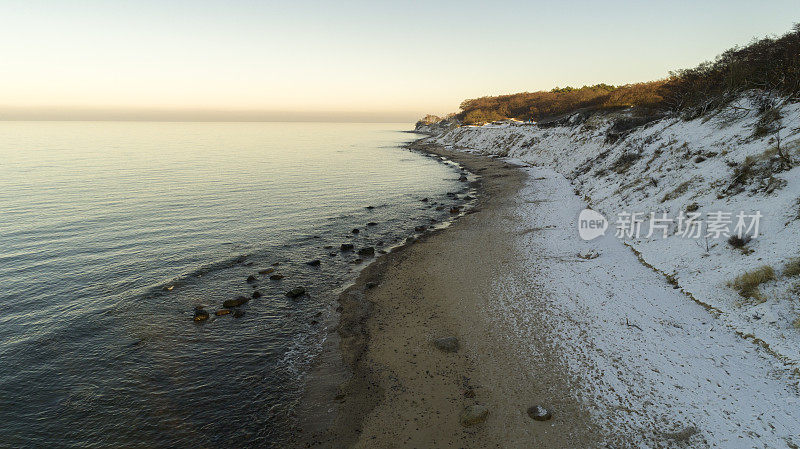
(390, 387)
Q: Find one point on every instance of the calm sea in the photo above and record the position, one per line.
(111, 233)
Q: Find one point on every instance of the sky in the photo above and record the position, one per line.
(344, 60)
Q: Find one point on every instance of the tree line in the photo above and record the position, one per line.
(771, 64)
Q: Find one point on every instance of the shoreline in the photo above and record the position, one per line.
(372, 391)
(338, 371)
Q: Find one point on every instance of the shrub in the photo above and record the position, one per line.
(768, 123)
(792, 268)
(738, 242)
(742, 173)
(747, 284)
(625, 162)
(623, 126)
(678, 191)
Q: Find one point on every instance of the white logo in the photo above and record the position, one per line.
(591, 224)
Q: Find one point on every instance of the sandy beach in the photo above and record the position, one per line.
(609, 344)
(404, 392)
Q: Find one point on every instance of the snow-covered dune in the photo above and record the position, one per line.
(665, 351)
(677, 169)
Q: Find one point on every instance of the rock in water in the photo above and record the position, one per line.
(276, 277)
(221, 312)
(372, 223)
(346, 247)
(355, 231)
(256, 294)
(229, 303)
(238, 313)
(539, 413)
(473, 414)
(251, 279)
(266, 271)
(200, 314)
(368, 251)
(447, 344)
(296, 292)
(314, 263)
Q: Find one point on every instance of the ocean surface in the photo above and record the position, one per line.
(111, 233)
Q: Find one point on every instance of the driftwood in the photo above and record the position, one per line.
(632, 325)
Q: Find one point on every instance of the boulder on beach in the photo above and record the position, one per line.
(447, 344)
(296, 292)
(367, 251)
(229, 303)
(473, 414)
(455, 209)
(346, 247)
(539, 413)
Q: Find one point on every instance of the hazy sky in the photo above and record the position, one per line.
(364, 59)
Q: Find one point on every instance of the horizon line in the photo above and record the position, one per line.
(45, 113)
(197, 120)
